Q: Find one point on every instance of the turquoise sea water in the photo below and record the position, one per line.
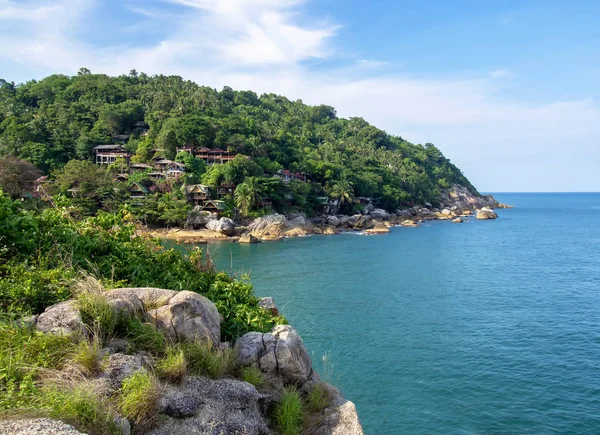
(486, 327)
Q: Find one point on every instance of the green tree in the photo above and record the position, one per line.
(243, 198)
(343, 192)
(17, 176)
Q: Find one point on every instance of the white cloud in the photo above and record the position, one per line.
(499, 142)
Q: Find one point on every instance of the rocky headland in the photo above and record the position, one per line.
(457, 205)
(193, 404)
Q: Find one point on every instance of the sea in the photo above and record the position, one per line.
(483, 327)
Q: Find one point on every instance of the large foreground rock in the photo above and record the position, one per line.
(248, 239)
(198, 218)
(38, 426)
(62, 318)
(340, 418)
(280, 352)
(205, 406)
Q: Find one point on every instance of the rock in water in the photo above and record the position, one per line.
(409, 223)
(378, 229)
(248, 238)
(486, 213)
(224, 226)
(457, 220)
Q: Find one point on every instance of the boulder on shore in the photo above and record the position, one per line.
(409, 223)
(62, 318)
(224, 226)
(486, 213)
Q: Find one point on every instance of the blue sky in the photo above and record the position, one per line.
(508, 90)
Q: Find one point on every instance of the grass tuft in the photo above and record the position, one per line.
(97, 314)
(318, 398)
(88, 356)
(173, 366)
(138, 398)
(80, 407)
(143, 336)
(206, 360)
(289, 412)
(253, 375)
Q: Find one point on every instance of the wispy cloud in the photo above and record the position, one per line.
(263, 45)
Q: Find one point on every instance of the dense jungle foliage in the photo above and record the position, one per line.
(43, 253)
(61, 119)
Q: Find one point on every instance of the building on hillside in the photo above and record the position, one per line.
(121, 138)
(175, 170)
(225, 189)
(138, 191)
(287, 176)
(199, 194)
(162, 165)
(139, 167)
(215, 206)
(120, 177)
(327, 205)
(187, 148)
(156, 176)
(108, 154)
(214, 156)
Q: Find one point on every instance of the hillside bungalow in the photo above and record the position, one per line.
(215, 206)
(121, 138)
(108, 154)
(156, 176)
(187, 148)
(214, 156)
(175, 170)
(120, 177)
(162, 165)
(225, 189)
(139, 167)
(328, 206)
(199, 194)
(138, 191)
(287, 176)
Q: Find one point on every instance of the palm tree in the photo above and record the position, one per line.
(343, 191)
(243, 197)
(255, 190)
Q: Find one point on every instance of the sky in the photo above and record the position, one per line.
(508, 90)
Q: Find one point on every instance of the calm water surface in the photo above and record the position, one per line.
(486, 327)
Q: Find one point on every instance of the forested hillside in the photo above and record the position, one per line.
(60, 118)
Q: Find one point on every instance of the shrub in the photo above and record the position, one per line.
(253, 375)
(289, 412)
(138, 398)
(318, 398)
(173, 366)
(205, 360)
(80, 407)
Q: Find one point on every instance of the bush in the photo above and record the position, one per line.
(173, 366)
(138, 398)
(318, 398)
(205, 360)
(253, 375)
(289, 412)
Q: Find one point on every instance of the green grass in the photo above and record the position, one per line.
(253, 375)
(318, 398)
(289, 412)
(97, 314)
(80, 407)
(142, 336)
(206, 360)
(138, 398)
(88, 356)
(173, 366)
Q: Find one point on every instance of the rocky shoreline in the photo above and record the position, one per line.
(458, 205)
